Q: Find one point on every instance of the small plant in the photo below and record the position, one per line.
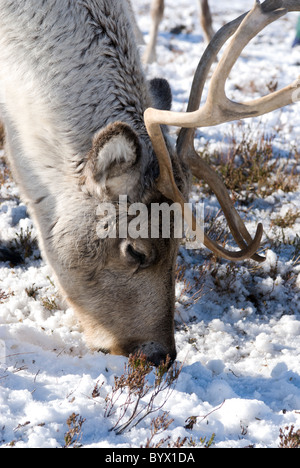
(49, 303)
(286, 221)
(97, 390)
(127, 400)
(158, 426)
(133, 398)
(161, 424)
(289, 438)
(250, 165)
(32, 291)
(24, 244)
(190, 292)
(3, 296)
(208, 443)
(74, 434)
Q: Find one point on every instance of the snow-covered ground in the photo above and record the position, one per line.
(237, 326)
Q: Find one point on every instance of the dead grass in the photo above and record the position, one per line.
(286, 221)
(251, 167)
(142, 391)
(133, 386)
(3, 296)
(50, 303)
(74, 433)
(192, 289)
(289, 438)
(23, 246)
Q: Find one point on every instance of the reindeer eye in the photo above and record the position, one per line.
(139, 257)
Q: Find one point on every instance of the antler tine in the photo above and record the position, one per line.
(186, 135)
(219, 39)
(218, 108)
(207, 60)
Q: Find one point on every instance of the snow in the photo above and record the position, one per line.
(238, 344)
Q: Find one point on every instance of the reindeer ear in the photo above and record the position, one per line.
(115, 149)
(113, 160)
(161, 93)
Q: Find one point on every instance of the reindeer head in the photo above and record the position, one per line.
(121, 280)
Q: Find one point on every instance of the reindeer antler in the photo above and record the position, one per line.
(167, 186)
(218, 109)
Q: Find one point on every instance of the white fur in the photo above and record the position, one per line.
(119, 149)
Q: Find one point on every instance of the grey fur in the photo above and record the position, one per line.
(71, 81)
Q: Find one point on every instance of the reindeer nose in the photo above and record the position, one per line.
(157, 358)
(156, 354)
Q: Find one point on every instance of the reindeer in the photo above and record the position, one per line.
(157, 13)
(83, 126)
